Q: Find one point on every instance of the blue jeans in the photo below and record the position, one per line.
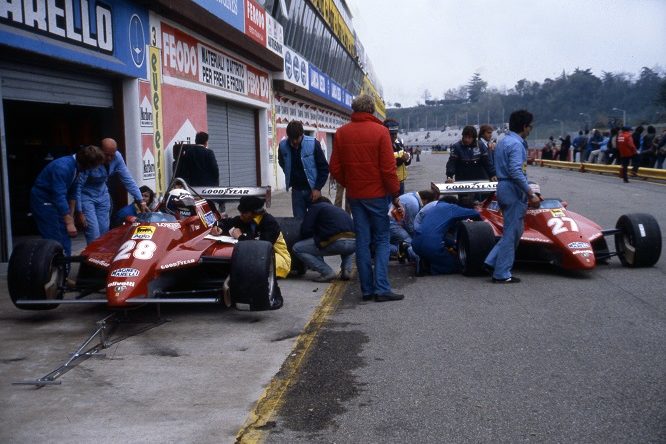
(300, 202)
(313, 257)
(97, 211)
(513, 202)
(371, 224)
(398, 234)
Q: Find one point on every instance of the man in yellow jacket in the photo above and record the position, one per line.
(402, 157)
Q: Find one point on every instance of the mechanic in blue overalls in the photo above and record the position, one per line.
(431, 241)
(513, 193)
(52, 196)
(93, 202)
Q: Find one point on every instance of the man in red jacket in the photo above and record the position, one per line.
(627, 151)
(363, 163)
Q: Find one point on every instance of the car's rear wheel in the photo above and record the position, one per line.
(291, 230)
(36, 271)
(638, 244)
(252, 283)
(475, 240)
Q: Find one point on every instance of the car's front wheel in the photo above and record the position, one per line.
(638, 244)
(36, 271)
(252, 283)
(474, 240)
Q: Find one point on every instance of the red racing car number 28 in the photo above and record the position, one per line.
(144, 250)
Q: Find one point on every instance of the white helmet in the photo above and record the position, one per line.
(179, 201)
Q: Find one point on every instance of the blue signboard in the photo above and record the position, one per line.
(110, 35)
(231, 11)
(322, 85)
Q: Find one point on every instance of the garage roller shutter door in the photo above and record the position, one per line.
(36, 84)
(233, 138)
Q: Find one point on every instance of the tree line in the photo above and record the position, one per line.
(570, 102)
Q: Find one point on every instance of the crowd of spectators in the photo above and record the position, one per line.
(601, 147)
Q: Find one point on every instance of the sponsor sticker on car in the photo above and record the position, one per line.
(101, 262)
(208, 219)
(144, 232)
(173, 226)
(120, 284)
(125, 272)
(579, 245)
(177, 264)
(557, 213)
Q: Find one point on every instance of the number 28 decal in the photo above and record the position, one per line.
(144, 250)
(559, 225)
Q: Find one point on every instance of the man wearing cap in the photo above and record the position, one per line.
(304, 165)
(363, 162)
(513, 194)
(255, 223)
(402, 157)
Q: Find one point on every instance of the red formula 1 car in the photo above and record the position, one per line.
(155, 258)
(553, 234)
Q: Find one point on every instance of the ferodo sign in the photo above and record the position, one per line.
(179, 54)
(255, 22)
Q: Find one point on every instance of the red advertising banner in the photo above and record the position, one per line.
(255, 22)
(179, 54)
(258, 86)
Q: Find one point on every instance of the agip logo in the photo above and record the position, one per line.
(143, 232)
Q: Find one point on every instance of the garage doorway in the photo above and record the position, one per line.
(38, 133)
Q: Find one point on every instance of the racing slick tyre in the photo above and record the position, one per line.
(638, 244)
(475, 240)
(253, 283)
(291, 230)
(36, 272)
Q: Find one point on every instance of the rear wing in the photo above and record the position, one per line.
(447, 189)
(233, 193)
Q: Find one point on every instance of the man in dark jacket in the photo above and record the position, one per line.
(469, 160)
(197, 164)
(304, 165)
(363, 162)
(326, 231)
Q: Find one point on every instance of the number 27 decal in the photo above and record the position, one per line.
(558, 225)
(144, 250)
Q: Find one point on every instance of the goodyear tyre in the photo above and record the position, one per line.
(474, 240)
(36, 271)
(252, 282)
(638, 244)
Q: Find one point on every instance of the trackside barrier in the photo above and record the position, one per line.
(643, 173)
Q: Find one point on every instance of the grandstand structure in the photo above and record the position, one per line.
(435, 140)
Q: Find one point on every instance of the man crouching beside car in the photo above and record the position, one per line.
(255, 223)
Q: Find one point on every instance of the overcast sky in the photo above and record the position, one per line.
(439, 44)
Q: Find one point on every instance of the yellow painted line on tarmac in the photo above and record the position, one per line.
(262, 419)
